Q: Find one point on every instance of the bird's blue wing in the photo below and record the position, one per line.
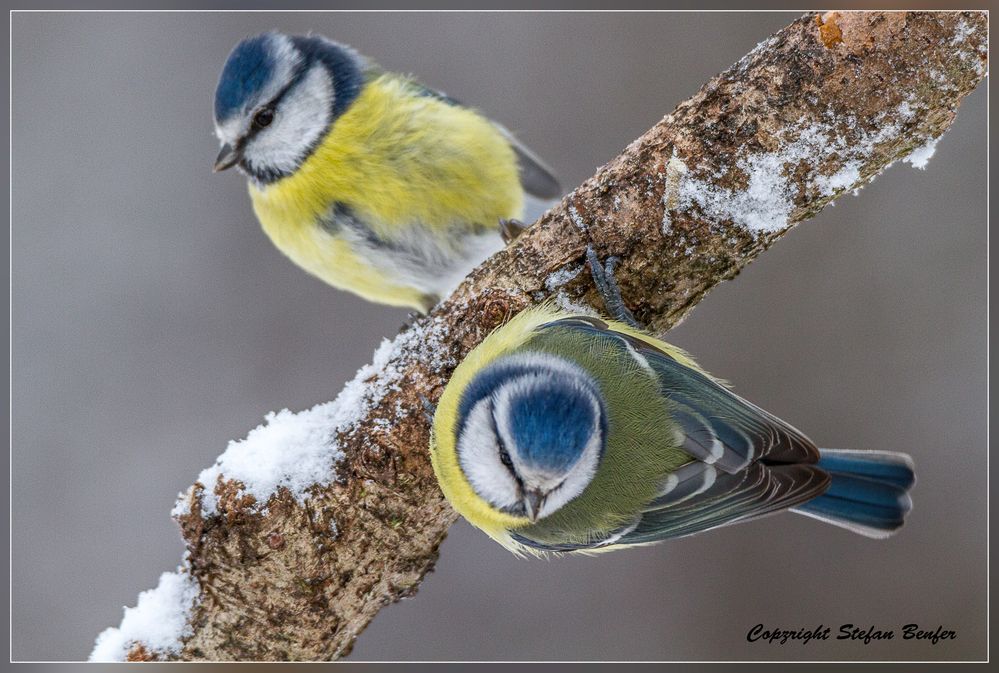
(754, 492)
(704, 498)
(746, 462)
(720, 428)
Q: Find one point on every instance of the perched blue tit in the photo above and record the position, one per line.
(367, 179)
(565, 433)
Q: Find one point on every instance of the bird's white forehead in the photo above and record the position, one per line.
(231, 130)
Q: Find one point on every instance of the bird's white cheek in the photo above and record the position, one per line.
(299, 122)
(478, 455)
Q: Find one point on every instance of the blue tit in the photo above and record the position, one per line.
(369, 180)
(566, 433)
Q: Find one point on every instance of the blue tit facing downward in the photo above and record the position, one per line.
(565, 433)
(369, 180)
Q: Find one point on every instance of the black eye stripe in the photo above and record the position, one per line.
(504, 455)
(274, 102)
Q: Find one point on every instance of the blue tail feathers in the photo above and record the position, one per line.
(868, 494)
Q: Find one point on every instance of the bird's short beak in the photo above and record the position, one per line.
(533, 502)
(227, 158)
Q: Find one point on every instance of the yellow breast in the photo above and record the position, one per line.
(395, 158)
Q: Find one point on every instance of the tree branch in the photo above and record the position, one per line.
(290, 569)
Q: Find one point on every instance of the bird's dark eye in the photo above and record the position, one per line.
(504, 457)
(263, 118)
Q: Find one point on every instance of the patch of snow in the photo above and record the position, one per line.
(920, 156)
(767, 201)
(762, 206)
(559, 278)
(563, 301)
(940, 78)
(159, 620)
(844, 178)
(430, 343)
(961, 32)
(675, 170)
(744, 62)
(576, 218)
(183, 505)
(299, 450)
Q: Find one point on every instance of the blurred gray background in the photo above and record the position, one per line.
(153, 322)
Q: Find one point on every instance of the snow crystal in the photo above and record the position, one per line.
(299, 450)
(920, 156)
(844, 178)
(289, 449)
(744, 62)
(430, 344)
(961, 32)
(764, 205)
(559, 278)
(675, 170)
(564, 302)
(576, 219)
(183, 505)
(159, 620)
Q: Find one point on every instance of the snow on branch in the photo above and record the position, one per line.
(300, 533)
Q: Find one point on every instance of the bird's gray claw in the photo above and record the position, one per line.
(610, 292)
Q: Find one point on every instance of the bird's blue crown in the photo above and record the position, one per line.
(254, 61)
(248, 68)
(551, 417)
(551, 425)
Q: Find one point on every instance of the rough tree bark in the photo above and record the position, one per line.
(819, 108)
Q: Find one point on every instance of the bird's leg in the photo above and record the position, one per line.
(511, 229)
(610, 292)
(429, 408)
